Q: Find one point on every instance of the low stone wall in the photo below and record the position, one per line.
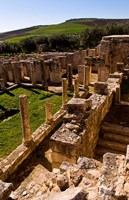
(10, 164)
(79, 133)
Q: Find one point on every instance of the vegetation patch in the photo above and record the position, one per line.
(10, 129)
(64, 28)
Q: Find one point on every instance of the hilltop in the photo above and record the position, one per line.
(96, 21)
(72, 26)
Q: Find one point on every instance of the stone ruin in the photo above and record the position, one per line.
(77, 171)
(38, 70)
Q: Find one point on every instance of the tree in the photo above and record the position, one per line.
(28, 45)
(91, 36)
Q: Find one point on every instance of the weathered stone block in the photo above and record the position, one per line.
(62, 182)
(64, 141)
(69, 194)
(86, 163)
(101, 88)
(76, 104)
(5, 190)
(120, 66)
(113, 176)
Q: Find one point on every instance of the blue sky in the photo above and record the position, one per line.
(16, 14)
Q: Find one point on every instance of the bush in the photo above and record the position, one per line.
(64, 42)
(28, 45)
(91, 37)
(9, 48)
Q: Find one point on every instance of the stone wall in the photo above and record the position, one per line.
(79, 133)
(116, 47)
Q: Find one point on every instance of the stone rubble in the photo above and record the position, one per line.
(89, 179)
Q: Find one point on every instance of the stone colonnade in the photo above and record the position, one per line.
(38, 71)
(24, 108)
(39, 68)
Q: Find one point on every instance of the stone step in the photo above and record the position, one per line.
(114, 128)
(100, 151)
(116, 137)
(112, 145)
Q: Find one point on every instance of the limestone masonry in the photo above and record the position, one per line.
(88, 152)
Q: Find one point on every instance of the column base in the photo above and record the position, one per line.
(28, 143)
(50, 121)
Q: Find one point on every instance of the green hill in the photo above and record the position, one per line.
(64, 28)
(72, 26)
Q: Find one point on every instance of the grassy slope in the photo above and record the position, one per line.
(10, 130)
(64, 28)
(73, 26)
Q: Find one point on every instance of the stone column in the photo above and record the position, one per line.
(105, 58)
(44, 80)
(103, 73)
(64, 92)
(33, 73)
(70, 58)
(70, 76)
(48, 108)
(2, 84)
(62, 60)
(81, 74)
(76, 88)
(55, 72)
(120, 67)
(110, 57)
(22, 71)
(117, 96)
(3, 72)
(86, 77)
(27, 136)
(16, 72)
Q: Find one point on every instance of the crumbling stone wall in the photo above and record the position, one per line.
(116, 47)
(88, 179)
(78, 134)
